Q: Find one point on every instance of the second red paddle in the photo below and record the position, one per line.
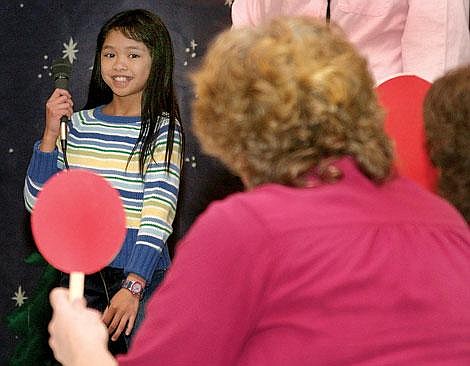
(402, 97)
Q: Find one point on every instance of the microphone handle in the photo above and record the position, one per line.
(63, 139)
(63, 128)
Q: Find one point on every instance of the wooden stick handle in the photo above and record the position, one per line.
(76, 285)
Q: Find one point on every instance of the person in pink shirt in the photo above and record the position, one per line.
(423, 38)
(327, 258)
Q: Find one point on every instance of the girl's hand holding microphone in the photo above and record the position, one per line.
(58, 105)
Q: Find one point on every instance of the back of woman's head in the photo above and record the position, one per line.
(447, 126)
(278, 100)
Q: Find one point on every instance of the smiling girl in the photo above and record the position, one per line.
(130, 133)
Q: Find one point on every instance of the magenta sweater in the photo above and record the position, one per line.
(343, 274)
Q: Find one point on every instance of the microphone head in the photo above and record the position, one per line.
(61, 72)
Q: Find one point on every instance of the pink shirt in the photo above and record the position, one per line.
(420, 37)
(341, 274)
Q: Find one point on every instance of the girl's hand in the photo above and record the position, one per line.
(59, 104)
(121, 313)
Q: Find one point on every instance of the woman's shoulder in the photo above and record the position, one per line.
(248, 204)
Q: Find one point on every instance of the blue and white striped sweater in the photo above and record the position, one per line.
(102, 144)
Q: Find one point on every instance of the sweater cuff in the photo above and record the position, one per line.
(143, 262)
(43, 164)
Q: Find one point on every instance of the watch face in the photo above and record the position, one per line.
(136, 288)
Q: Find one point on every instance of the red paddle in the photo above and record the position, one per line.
(402, 97)
(78, 224)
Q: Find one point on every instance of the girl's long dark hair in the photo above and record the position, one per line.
(159, 97)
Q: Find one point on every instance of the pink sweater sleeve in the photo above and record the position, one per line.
(250, 12)
(254, 12)
(436, 37)
(203, 310)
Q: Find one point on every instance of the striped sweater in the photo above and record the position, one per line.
(102, 144)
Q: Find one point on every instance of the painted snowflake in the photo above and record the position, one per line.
(19, 296)
(191, 50)
(70, 50)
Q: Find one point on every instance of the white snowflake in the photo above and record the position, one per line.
(229, 2)
(19, 296)
(45, 68)
(70, 50)
(191, 50)
(191, 160)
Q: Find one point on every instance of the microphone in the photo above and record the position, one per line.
(61, 73)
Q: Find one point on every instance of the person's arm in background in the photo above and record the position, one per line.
(436, 37)
(251, 12)
(254, 12)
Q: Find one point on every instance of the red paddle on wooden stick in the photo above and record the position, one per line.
(78, 224)
(402, 97)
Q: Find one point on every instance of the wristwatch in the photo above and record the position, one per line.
(135, 287)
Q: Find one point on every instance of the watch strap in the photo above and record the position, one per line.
(136, 288)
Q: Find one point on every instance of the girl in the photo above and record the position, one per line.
(130, 133)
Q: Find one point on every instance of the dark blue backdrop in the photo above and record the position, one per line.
(34, 33)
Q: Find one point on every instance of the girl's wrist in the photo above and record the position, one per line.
(135, 284)
(48, 143)
(135, 277)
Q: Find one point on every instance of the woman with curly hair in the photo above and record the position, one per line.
(447, 126)
(327, 258)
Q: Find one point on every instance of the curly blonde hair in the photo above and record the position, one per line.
(276, 101)
(447, 126)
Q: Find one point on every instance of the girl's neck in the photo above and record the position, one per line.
(123, 107)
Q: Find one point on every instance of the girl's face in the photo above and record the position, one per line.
(125, 65)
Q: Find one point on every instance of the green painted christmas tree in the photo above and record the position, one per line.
(30, 321)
